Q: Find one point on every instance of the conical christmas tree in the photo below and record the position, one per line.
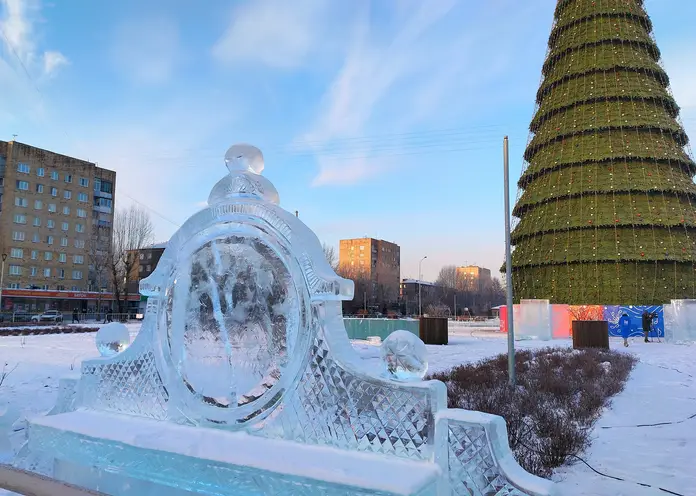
(607, 202)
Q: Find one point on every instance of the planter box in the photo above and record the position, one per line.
(591, 334)
(433, 330)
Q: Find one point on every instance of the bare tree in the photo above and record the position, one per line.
(330, 254)
(447, 278)
(133, 230)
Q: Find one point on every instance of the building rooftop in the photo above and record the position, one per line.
(416, 281)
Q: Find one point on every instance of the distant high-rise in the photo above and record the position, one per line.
(607, 198)
(374, 260)
(473, 278)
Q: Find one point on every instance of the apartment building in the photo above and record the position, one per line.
(473, 278)
(375, 260)
(56, 216)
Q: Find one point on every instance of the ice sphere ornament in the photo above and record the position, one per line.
(405, 356)
(112, 338)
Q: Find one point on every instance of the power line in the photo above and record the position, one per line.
(152, 210)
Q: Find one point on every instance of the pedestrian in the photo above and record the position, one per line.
(647, 320)
(75, 319)
(625, 326)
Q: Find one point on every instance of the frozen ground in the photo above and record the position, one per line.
(661, 389)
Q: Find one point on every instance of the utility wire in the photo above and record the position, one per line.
(152, 210)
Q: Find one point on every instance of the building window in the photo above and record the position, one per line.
(103, 202)
(38, 204)
(40, 172)
(67, 194)
(18, 235)
(47, 272)
(54, 175)
(66, 210)
(34, 254)
(63, 241)
(50, 223)
(81, 212)
(141, 268)
(37, 221)
(78, 259)
(79, 228)
(106, 187)
(61, 275)
(362, 247)
(34, 271)
(35, 238)
(149, 268)
(20, 219)
(39, 188)
(77, 274)
(23, 185)
(82, 197)
(79, 243)
(64, 226)
(49, 239)
(20, 202)
(149, 255)
(142, 256)
(14, 285)
(97, 184)
(48, 255)
(54, 192)
(68, 178)
(84, 182)
(22, 167)
(15, 270)
(62, 257)
(17, 253)
(52, 207)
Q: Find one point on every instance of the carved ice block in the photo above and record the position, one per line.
(242, 380)
(534, 320)
(680, 321)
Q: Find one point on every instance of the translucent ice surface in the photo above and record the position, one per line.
(112, 338)
(405, 356)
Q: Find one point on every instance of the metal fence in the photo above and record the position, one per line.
(365, 328)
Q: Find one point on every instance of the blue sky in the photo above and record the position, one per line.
(380, 118)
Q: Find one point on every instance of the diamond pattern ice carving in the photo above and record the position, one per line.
(131, 385)
(333, 406)
(472, 468)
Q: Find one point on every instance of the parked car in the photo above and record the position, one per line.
(48, 316)
(21, 316)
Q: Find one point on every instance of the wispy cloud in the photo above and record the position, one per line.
(275, 33)
(147, 50)
(19, 36)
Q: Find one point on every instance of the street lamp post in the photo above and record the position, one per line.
(2, 278)
(420, 277)
(508, 265)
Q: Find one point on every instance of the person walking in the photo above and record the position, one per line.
(625, 326)
(75, 318)
(647, 321)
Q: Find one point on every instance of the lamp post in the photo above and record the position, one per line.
(508, 266)
(420, 276)
(2, 278)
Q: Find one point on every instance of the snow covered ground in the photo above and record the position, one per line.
(660, 389)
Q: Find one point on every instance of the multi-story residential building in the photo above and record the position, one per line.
(409, 290)
(56, 216)
(473, 278)
(374, 260)
(142, 263)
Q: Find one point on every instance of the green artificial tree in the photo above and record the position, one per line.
(607, 199)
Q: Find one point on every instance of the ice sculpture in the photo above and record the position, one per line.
(534, 321)
(242, 380)
(112, 338)
(680, 321)
(405, 356)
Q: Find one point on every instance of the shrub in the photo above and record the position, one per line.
(549, 413)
